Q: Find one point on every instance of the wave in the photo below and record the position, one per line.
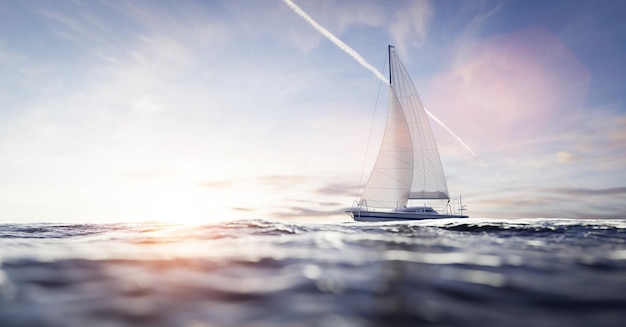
(453, 272)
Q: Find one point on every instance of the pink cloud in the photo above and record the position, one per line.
(509, 88)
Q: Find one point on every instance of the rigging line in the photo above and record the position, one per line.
(369, 137)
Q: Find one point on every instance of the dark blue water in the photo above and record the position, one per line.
(472, 272)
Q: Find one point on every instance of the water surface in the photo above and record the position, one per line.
(464, 272)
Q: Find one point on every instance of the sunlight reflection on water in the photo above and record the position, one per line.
(262, 273)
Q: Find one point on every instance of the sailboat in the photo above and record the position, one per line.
(408, 167)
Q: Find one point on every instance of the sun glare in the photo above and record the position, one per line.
(183, 205)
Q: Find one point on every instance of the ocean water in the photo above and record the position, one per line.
(452, 272)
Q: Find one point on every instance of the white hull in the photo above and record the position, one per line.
(373, 216)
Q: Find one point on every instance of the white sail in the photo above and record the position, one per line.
(408, 164)
(390, 180)
(429, 180)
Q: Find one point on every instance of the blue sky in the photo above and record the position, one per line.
(199, 110)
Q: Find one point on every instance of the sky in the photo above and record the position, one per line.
(198, 111)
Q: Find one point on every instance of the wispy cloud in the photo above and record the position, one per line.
(566, 157)
(244, 209)
(588, 192)
(338, 189)
(149, 174)
(73, 28)
(409, 29)
(304, 213)
(284, 179)
(538, 201)
(215, 184)
(600, 140)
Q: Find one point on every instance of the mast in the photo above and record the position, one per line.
(389, 54)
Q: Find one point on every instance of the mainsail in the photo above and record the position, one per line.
(408, 164)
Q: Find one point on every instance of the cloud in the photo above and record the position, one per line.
(149, 174)
(67, 26)
(358, 13)
(338, 189)
(566, 157)
(615, 191)
(617, 136)
(538, 201)
(215, 184)
(409, 29)
(321, 203)
(304, 213)
(262, 183)
(283, 179)
(601, 139)
(242, 209)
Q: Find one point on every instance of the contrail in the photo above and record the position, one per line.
(352, 53)
(335, 40)
(450, 131)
